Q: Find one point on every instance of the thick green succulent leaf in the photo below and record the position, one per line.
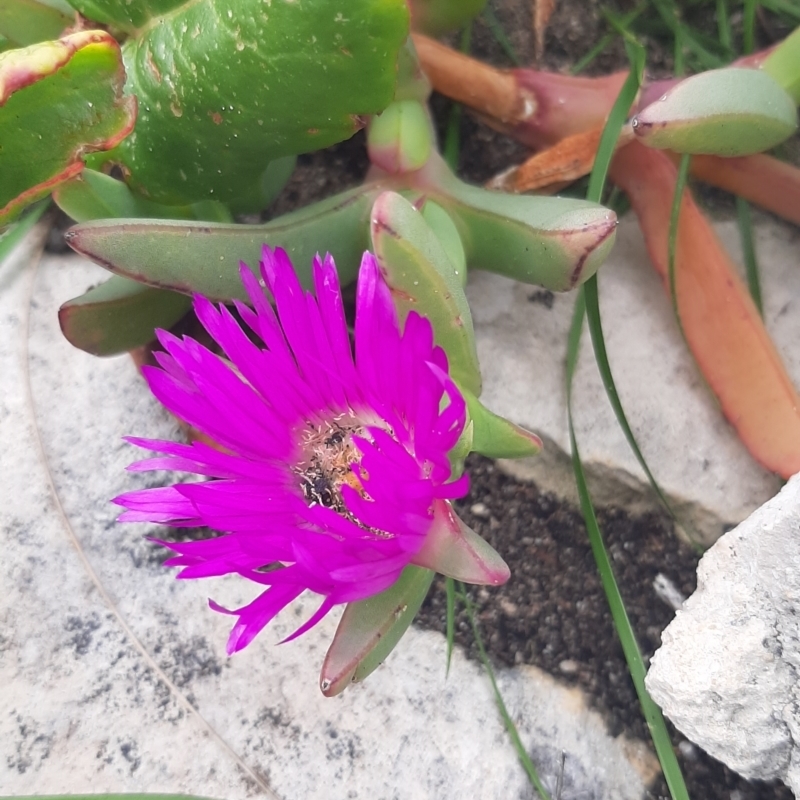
(93, 195)
(495, 436)
(119, 315)
(723, 112)
(189, 257)
(783, 65)
(58, 101)
(441, 223)
(26, 22)
(556, 242)
(226, 86)
(400, 139)
(369, 630)
(126, 14)
(422, 278)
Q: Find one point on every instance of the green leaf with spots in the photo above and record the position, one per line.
(93, 195)
(226, 86)
(26, 22)
(58, 101)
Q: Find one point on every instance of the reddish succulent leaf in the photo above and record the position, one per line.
(542, 11)
(761, 179)
(720, 321)
(535, 107)
(58, 101)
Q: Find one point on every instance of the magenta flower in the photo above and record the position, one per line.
(332, 472)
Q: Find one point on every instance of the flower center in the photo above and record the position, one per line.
(326, 465)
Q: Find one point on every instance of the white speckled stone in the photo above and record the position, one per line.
(728, 672)
(113, 676)
(693, 452)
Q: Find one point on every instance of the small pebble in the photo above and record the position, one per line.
(479, 510)
(568, 666)
(509, 609)
(668, 592)
(688, 750)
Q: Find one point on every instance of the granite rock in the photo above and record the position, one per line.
(113, 676)
(728, 671)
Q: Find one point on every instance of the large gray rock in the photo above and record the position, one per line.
(728, 671)
(694, 453)
(113, 676)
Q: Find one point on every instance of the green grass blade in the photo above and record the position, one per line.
(616, 119)
(590, 296)
(522, 754)
(592, 304)
(630, 647)
(749, 26)
(787, 8)
(705, 58)
(587, 304)
(749, 251)
(17, 232)
(674, 217)
(450, 588)
(619, 25)
(490, 18)
(724, 25)
(679, 67)
(452, 138)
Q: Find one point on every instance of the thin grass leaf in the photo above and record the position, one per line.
(749, 26)
(616, 119)
(622, 624)
(630, 647)
(679, 68)
(749, 252)
(452, 138)
(450, 588)
(605, 152)
(490, 18)
(705, 58)
(619, 24)
(601, 357)
(785, 7)
(588, 305)
(618, 202)
(724, 25)
(17, 232)
(674, 218)
(522, 754)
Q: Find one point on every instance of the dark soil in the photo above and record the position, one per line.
(553, 613)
